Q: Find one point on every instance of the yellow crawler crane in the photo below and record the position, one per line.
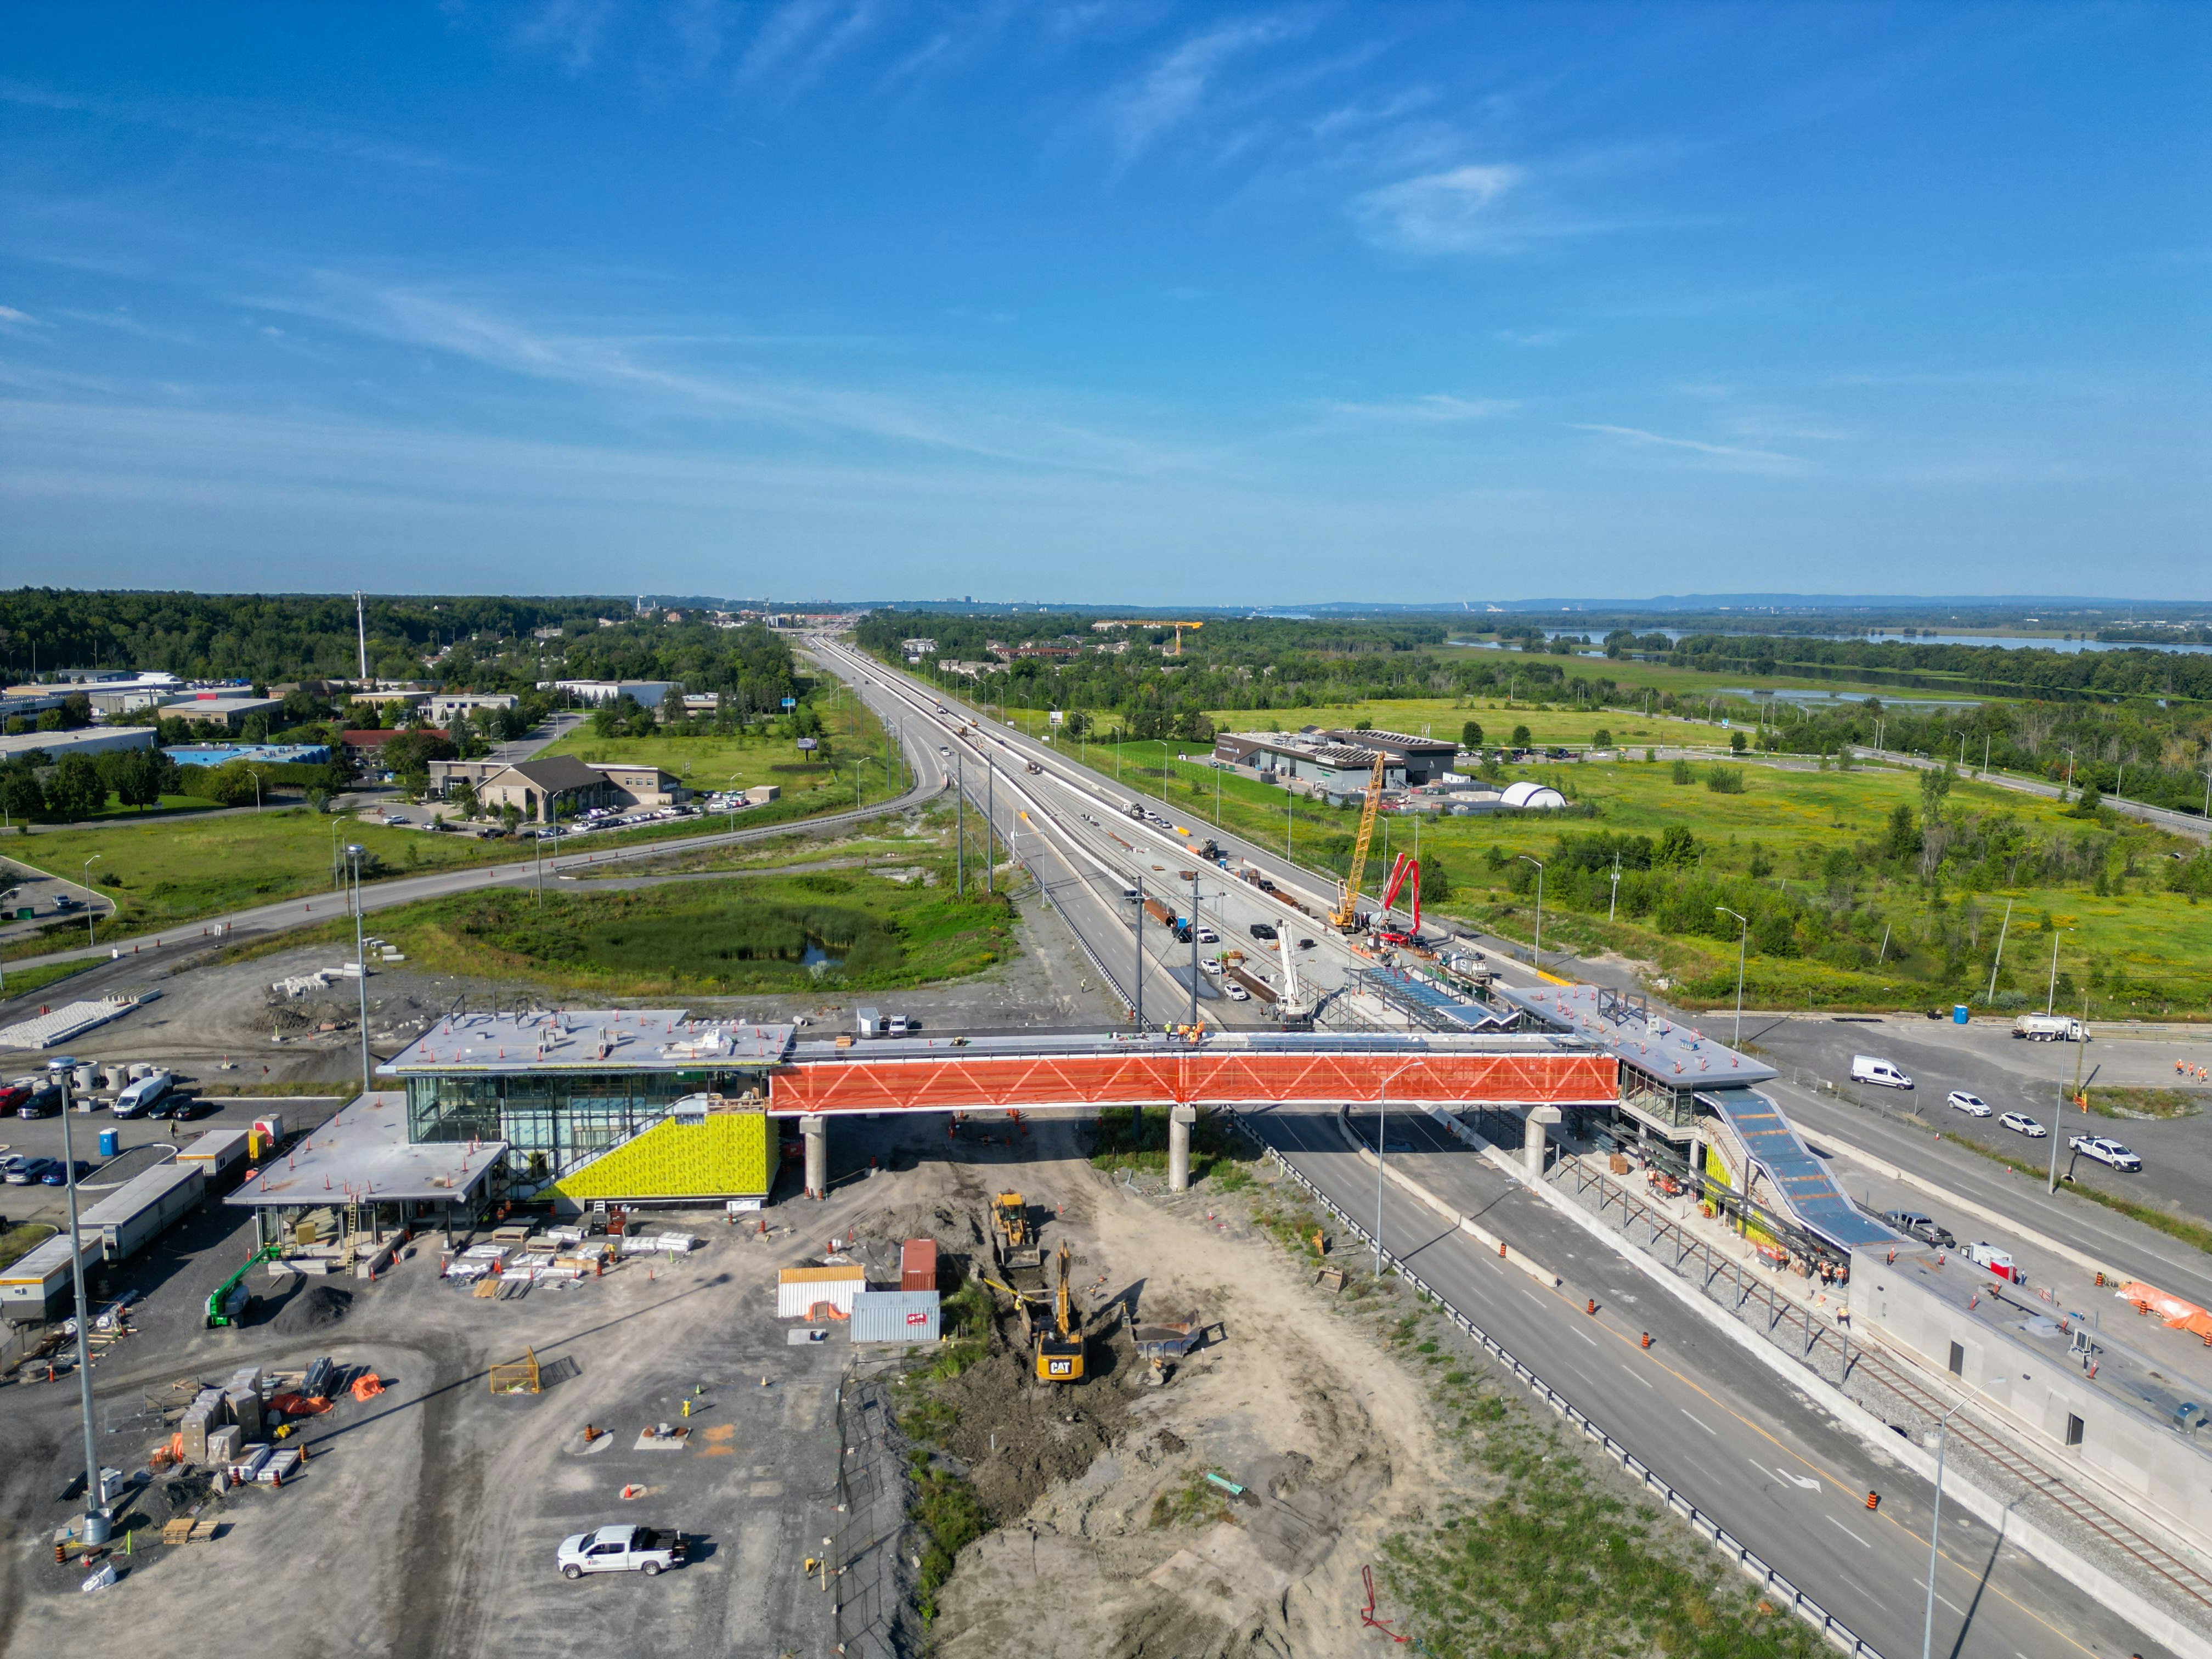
(1060, 1343)
(1345, 917)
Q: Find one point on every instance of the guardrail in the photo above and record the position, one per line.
(1844, 1638)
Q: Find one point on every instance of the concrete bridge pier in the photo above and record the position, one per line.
(1533, 1147)
(815, 1129)
(1180, 1118)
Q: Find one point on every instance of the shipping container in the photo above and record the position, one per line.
(130, 1217)
(37, 1284)
(918, 1265)
(799, 1289)
(219, 1153)
(896, 1316)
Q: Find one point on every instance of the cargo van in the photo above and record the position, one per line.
(1865, 1068)
(142, 1094)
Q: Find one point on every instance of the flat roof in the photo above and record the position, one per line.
(819, 1050)
(40, 1262)
(364, 1154)
(588, 1039)
(140, 1191)
(1679, 1055)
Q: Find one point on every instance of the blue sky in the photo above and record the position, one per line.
(1107, 301)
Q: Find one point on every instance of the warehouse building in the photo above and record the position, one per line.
(1309, 757)
(93, 741)
(217, 708)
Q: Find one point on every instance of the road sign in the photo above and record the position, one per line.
(791, 702)
(807, 743)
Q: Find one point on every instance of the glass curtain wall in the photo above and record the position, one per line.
(553, 1119)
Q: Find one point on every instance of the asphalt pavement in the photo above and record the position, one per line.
(1731, 1437)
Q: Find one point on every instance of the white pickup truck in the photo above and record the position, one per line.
(621, 1549)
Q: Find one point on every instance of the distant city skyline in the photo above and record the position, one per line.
(1148, 305)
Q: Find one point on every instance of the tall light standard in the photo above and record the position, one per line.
(1382, 1144)
(990, 812)
(95, 1518)
(2050, 992)
(1742, 942)
(1138, 1010)
(1935, 1528)
(1194, 948)
(354, 856)
(1537, 952)
(91, 899)
(960, 825)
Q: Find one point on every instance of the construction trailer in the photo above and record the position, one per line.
(135, 1214)
(218, 1154)
(896, 1317)
(39, 1283)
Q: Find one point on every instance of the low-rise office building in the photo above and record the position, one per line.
(549, 788)
(646, 694)
(445, 706)
(1424, 759)
(1307, 757)
(218, 708)
(91, 740)
(366, 748)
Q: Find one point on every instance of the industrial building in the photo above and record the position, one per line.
(1309, 757)
(1424, 760)
(92, 740)
(646, 694)
(445, 706)
(218, 708)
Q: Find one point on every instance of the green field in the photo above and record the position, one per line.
(852, 739)
(173, 873)
(840, 930)
(1794, 850)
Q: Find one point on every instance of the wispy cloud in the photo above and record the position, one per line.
(1722, 451)
(567, 31)
(226, 122)
(1174, 89)
(1455, 211)
(13, 321)
(802, 38)
(1430, 407)
(1535, 336)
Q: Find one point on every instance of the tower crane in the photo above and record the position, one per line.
(1345, 917)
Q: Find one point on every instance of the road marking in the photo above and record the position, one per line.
(1947, 1601)
(1707, 1427)
(1855, 1539)
(1585, 1336)
(1645, 1381)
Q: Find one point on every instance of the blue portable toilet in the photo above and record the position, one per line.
(111, 1142)
(1958, 1013)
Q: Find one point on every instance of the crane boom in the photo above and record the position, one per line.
(1346, 917)
(1406, 869)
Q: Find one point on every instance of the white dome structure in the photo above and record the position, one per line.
(1535, 796)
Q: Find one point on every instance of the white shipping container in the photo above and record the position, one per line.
(799, 1289)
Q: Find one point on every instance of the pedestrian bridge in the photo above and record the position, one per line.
(914, 1074)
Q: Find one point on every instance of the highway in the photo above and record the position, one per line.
(1728, 1434)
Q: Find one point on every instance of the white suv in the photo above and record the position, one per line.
(2106, 1150)
(1971, 1105)
(2021, 1123)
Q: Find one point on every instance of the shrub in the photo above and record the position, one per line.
(1724, 779)
(1682, 772)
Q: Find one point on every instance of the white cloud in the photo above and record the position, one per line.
(1453, 211)
(13, 321)
(1175, 87)
(1722, 451)
(1534, 337)
(1433, 406)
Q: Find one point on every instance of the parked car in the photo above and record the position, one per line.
(43, 1098)
(15, 1094)
(145, 1092)
(1207, 936)
(1210, 964)
(2000, 1262)
(1972, 1105)
(622, 1549)
(1866, 1068)
(56, 1172)
(2105, 1150)
(1234, 992)
(1924, 1228)
(2021, 1123)
(30, 1171)
(63, 901)
(10, 1163)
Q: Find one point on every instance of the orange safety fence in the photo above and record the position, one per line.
(1196, 1076)
(300, 1405)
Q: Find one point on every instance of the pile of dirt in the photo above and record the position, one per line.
(313, 1309)
(1017, 1436)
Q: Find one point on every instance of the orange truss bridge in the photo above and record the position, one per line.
(1315, 1072)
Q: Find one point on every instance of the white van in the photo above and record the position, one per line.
(142, 1094)
(1865, 1068)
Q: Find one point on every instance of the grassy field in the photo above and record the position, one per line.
(18, 1241)
(712, 762)
(830, 930)
(2138, 949)
(174, 871)
(22, 982)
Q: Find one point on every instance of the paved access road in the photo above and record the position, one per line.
(2193, 824)
(2011, 1076)
(1725, 1432)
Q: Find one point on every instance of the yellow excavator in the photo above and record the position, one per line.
(1345, 917)
(1059, 1342)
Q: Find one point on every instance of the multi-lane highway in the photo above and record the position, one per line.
(1726, 1433)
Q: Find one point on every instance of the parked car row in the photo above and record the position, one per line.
(20, 1170)
(1867, 1068)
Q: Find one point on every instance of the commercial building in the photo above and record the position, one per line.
(445, 706)
(109, 698)
(1309, 757)
(362, 1156)
(364, 748)
(269, 754)
(217, 708)
(1424, 759)
(646, 694)
(546, 789)
(92, 740)
(636, 784)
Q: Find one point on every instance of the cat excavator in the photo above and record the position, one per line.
(1059, 1338)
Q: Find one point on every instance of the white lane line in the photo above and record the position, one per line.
(1950, 1603)
(1533, 1297)
(1848, 1532)
(1644, 1381)
(1584, 1335)
(1707, 1427)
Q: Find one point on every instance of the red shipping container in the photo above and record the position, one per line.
(918, 1265)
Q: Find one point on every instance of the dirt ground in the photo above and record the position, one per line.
(1108, 1540)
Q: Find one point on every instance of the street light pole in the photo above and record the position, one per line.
(360, 962)
(960, 825)
(1381, 1137)
(91, 899)
(1537, 950)
(1743, 940)
(1935, 1527)
(1139, 1010)
(95, 1518)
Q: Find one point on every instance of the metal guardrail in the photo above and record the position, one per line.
(1843, 1637)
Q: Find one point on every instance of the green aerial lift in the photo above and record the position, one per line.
(219, 1311)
